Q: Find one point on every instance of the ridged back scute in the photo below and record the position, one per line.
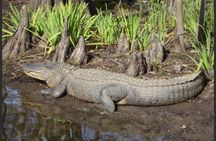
(111, 77)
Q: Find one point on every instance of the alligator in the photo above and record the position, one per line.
(111, 89)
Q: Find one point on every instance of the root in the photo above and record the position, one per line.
(62, 47)
(19, 42)
(79, 55)
(138, 65)
(155, 55)
(142, 63)
(123, 44)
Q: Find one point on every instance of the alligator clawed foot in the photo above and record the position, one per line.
(57, 91)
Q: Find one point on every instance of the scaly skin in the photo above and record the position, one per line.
(105, 87)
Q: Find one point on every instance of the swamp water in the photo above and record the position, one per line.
(21, 123)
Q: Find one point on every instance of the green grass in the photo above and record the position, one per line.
(161, 20)
(205, 51)
(106, 28)
(130, 24)
(51, 27)
(191, 18)
(158, 22)
(36, 18)
(50, 23)
(11, 22)
(209, 20)
(144, 36)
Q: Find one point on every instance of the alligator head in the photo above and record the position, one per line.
(47, 72)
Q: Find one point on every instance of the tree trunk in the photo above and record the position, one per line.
(200, 28)
(179, 27)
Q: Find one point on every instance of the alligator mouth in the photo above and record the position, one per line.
(37, 71)
(33, 74)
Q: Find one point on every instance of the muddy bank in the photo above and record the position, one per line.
(190, 120)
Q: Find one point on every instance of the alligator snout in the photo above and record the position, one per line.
(24, 67)
(38, 71)
(32, 67)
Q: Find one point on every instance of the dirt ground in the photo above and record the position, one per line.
(191, 120)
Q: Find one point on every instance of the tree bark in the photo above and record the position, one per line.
(155, 54)
(138, 65)
(79, 55)
(62, 47)
(19, 42)
(200, 28)
(143, 63)
(179, 27)
(123, 44)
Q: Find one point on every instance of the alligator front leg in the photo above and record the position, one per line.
(57, 91)
(111, 94)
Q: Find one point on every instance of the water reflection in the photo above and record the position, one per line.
(21, 123)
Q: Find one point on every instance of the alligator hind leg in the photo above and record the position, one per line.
(56, 91)
(111, 94)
